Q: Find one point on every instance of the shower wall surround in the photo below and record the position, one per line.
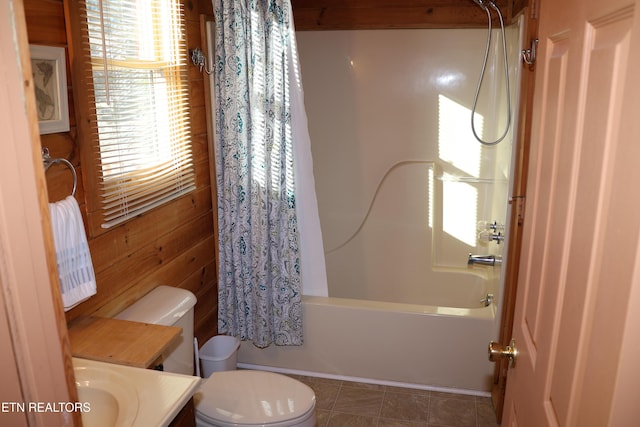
(400, 179)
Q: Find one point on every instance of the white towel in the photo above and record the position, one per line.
(77, 278)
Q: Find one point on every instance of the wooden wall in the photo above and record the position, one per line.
(171, 245)
(381, 14)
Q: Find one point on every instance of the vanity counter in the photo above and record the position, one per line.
(123, 342)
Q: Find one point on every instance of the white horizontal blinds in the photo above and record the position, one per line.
(139, 71)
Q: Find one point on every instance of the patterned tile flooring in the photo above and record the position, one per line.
(351, 404)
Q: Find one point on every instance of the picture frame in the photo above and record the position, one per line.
(49, 68)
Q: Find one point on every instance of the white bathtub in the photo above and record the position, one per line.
(428, 347)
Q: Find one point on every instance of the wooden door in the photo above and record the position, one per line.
(577, 316)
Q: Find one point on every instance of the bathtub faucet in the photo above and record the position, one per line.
(484, 260)
(487, 300)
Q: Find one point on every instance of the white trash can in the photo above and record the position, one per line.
(220, 353)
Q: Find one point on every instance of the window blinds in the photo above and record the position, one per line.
(140, 123)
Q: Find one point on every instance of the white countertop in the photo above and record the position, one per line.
(161, 395)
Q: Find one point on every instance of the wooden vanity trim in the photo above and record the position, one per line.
(120, 341)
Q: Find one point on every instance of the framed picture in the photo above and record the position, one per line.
(48, 65)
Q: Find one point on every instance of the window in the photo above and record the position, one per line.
(138, 113)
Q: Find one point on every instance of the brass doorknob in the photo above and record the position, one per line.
(498, 351)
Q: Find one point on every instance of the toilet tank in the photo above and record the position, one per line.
(168, 306)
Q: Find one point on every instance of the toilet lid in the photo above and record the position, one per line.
(252, 397)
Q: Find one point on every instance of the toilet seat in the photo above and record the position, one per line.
(254, 398)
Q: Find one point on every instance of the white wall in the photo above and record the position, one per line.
(374, 99)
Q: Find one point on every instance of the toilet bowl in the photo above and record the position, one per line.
(228, 398)
(256, 398)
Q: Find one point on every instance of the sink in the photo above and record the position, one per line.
(116, 395)
(112, 397)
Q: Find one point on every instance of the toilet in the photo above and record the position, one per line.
(226, 398)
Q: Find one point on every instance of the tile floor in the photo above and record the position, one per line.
(347, 404)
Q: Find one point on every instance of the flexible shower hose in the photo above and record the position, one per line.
(482, 71)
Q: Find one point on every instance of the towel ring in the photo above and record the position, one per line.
(47, 160)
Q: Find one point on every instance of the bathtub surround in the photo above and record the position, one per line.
(260, 262)
(400, 178)
(402, 184)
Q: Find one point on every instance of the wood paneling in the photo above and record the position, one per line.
(45, 22)
(171, 245)
(381, 14)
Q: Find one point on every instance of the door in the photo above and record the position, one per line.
(577, 315)
(35, 358)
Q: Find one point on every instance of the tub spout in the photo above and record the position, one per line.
(484, 260)
(487, 300)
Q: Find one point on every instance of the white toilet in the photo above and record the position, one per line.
(227, 398)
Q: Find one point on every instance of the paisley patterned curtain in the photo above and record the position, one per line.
(259, 277)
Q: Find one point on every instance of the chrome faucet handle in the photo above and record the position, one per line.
(487, 225)
(484, 259)
(490, 236)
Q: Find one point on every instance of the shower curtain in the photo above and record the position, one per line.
(263, 235)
